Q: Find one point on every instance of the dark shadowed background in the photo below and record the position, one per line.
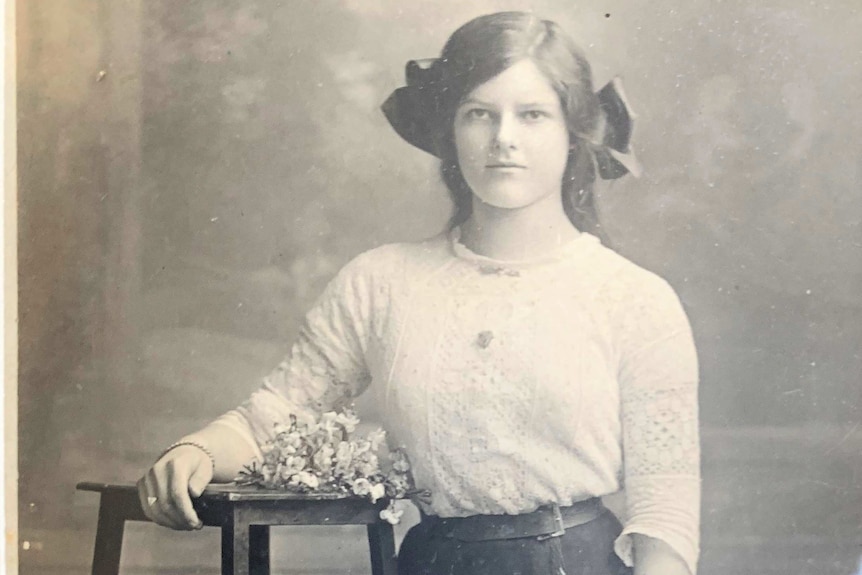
(192, 173)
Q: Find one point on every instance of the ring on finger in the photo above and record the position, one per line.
(152, 500)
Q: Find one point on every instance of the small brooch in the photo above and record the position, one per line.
(484, 338)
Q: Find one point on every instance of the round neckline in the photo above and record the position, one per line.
(559, 253)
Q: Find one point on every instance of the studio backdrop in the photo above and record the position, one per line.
(193, 173)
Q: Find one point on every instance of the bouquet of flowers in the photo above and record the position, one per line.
(324, 456)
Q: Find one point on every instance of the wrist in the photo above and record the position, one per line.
(193, 444)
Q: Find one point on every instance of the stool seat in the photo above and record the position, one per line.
(244, 514)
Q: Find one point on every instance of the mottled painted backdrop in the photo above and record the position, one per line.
(192, 173)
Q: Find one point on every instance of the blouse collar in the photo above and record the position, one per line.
(584, 242)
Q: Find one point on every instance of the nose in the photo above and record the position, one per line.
(506, 135)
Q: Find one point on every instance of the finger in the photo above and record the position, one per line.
(143, 496)
(198, 483)
(200, 478)
(151, 498)
(154, 502)
(164, 507)
(181, 503)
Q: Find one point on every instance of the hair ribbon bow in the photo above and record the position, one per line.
(614, 156)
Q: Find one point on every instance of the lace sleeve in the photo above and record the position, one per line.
(326, 366)
(661, 446)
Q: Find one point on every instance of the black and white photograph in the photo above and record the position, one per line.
(386, 287)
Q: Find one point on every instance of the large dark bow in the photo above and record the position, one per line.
(412, 108)
(614, 157)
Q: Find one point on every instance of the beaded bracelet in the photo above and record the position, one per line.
(193, 444)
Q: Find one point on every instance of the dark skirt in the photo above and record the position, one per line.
(586, 549)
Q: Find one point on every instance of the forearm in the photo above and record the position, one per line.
(230, 450)
(655, 557)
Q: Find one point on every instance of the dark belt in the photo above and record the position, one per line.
(543, 523)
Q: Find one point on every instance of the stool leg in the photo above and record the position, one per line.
(258, 549)
(109, 536)
(227, 545)
(381, 542)
(228, 549)
(235, 544)
(244, 547)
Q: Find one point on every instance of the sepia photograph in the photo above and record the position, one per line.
(379, 287)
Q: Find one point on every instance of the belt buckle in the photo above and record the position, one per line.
(558, 523)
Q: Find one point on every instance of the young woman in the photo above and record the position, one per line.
(526, 368)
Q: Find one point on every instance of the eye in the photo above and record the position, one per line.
(533, 115)
(477, 114)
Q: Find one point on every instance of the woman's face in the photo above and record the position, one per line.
(512, 139)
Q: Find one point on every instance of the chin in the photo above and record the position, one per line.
(508, 199)
(506, 204)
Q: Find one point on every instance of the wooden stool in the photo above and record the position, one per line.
(244, 515)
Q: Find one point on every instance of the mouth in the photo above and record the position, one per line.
(505, 166)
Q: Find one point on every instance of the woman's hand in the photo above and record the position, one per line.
(166, 491)
(655, 557)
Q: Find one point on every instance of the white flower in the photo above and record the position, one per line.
(376, 438)
(343, 457)
(329, 426)
(361, 446)
(378, 490)
(391, 514)
(294, 464)
(308, 479)
(267, 472)
(292, 440)
(367, 464)
(399, 461)
(323, 458)
(329, 417)
(361, 487)
(399, 484)
(311, 430)
(349, 420)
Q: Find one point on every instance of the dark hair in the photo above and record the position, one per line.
(486, 46)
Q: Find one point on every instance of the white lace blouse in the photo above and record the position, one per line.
(510, 384)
